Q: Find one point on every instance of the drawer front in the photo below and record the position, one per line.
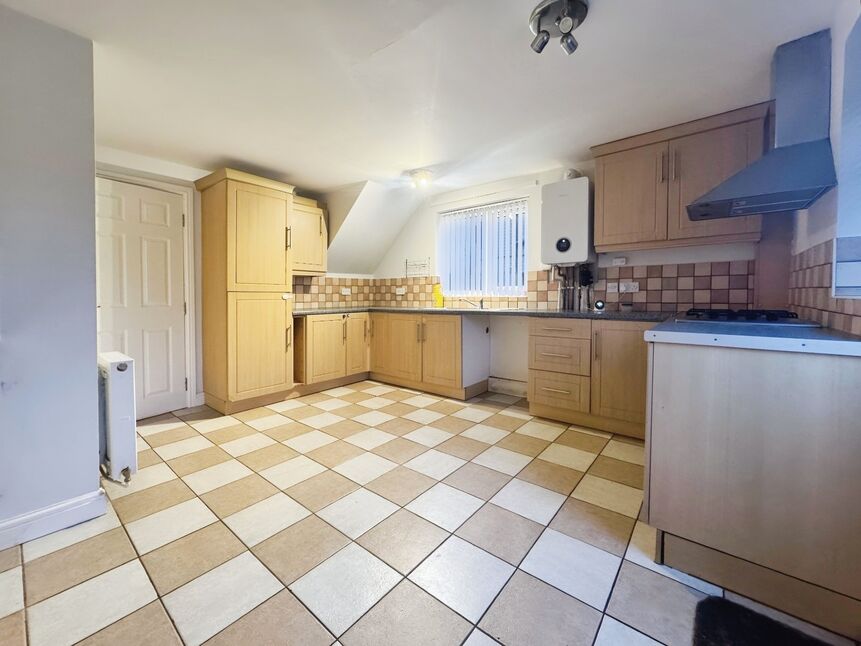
(561, 328)
(559, 390)
(571, 356)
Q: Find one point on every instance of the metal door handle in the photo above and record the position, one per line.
(675, 163)
(556, 390)
(321, 224)
(418, 332)
(289, 238)
(553, 354)
(556, 329)
(288, 337)
(595, 343)
(344, 330)
(664, 162)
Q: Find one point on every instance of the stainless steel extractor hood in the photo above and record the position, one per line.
(800, 168)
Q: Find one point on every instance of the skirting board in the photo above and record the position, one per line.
(591, 421)
(507, 386)
(33, 524)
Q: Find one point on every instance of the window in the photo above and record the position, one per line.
(482, 250)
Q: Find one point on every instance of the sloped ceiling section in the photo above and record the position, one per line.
(364, 222)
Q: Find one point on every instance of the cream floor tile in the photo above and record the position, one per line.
(340, 391)
(478, 638)
(265, 518)
(445, 506)
(161, 528)
(146, 429)
(540, 430)
(428, 436)
(403, 540)
(641, 550)
(623, 451)
(216, 476)
(519, 413)
(265, 423)
(420, 401)
(183, 447)
(503, 533)
(375, 403)
(309, 441)
(370, 439)
(209, 425)
(322, 420)
(610, 495)
(344, 587)
(575, 567)
(65, 537)
(615, 633)
(143, 479)
(289, 404)
(472, 414)
(292, 472)
(376, 391)
(486, 434)
(364, 468)
(502, 460)
(331, 404)
(11, 591)
(423, 416)
(150, 622)
(247, 444)
(300, 548)
(356, 513)
(590, 431)
(373, 418)
(463, 577)
(140, 444)
(213, 601)
(568, 456)
(87, 608)
(529, 500)
(435, 464)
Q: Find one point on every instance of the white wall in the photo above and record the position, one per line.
(49, 441)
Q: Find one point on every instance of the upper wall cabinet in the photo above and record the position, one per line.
(246, 232)
(643, 184)
(310, 237)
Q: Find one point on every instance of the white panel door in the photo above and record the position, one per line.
(141, 289)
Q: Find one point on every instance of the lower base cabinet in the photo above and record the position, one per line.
(332, 346)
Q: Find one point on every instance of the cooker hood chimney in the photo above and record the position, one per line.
(800, 169)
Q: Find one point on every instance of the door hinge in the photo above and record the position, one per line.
(186, 383)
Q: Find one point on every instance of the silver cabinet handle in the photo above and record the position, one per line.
(663, 167)
(556, 390)
(418, 332)
(288, 337)
(344, 330)
(595, 343)
(365, 329)
(556, 329)
(289, 238)
(553, 354)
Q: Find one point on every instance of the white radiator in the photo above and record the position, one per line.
(117, 440)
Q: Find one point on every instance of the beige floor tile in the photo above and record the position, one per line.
(10, 557)
(254, 413)
(63, 569)
(594, 525)
(610, 495)
(335, 453)
(626, 473)
(530, 446)
(477, 480)
(345, 428)
(215, 423)
(147, 458)
(398, 409)
(313, 398)
(541, 429)
(279, 620)
(568, 456)
(528, 611)
(625, 449)
(321, 490)
(401, 485)
(69, 536)
(11, 591)
(399, 426)
(400, 450)
(286, 431)
(198, 461)
(501, 532)
(653, 604)
(149, 625)
(407, 616)
(216, 476)
(452, 424)
(582, 441)
(169, 437)
(396, 395)
(238, 495)
(445, 407)
(504, 422)
(462, 447)
(144, 479)
(224, 435)
(197, 413)
(267, 457)
(403, 540)
(187, 558)
(303, 412)
(13, 631)
(149, 501)
(551, 476)
(353, 410)
(299, 548)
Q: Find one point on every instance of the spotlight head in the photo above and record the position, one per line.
(540, 41)
(568, 43)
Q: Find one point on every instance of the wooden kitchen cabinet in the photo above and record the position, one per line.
(441, 350)
(358, 343)
(380, 332)
(619, 364)
(325, 347)
(644, 183)
(404, 349)
(310, 237)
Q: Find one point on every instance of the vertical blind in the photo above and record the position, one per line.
(482, 250)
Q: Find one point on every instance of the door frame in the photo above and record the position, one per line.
(187, 193)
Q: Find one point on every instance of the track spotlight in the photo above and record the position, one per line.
(568, 43)
(540, 41)
(557, 19)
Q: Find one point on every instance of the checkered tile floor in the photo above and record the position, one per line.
(367, 514)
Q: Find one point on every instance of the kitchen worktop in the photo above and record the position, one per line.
(753, 336)
(655, 317)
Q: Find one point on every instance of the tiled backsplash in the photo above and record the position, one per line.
(320, 292)
(810, 291)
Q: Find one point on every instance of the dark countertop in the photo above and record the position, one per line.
(649, 317)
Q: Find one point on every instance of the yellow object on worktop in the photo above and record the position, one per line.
(437, 295)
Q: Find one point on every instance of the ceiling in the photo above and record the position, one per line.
(324, 93)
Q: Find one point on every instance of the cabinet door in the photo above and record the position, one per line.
(619, 358)
(309, 239)
(700, 162)
(257, 258)
(631, 196)
(380, 342)
(358, 343)
(441, 350)
(259, 344)
(327, 347)
(404, 349)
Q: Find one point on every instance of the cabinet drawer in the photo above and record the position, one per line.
(559, 390)
(561, 328)
(571, 356)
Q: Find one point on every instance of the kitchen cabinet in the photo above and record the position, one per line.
(404, 348)
(332, 346)
(441, 350)
(310, 237)
(380, 333)
(357, 332)
(619, 360)
(643, 184)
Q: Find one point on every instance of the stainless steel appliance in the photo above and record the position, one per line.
(744, 317)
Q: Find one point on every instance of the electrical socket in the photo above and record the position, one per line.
(629, 288)
(345, 291)
(621, 261)
(400, 291)
(612, 288)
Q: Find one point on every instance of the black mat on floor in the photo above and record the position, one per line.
(719, 622)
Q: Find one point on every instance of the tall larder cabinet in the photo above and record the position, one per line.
(247, 289)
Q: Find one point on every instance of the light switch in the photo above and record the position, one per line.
(612, 288)
(629, 287)
(620, 261)
(400, 291)
(345, 291)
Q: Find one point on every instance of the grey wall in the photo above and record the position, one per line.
(48, 383)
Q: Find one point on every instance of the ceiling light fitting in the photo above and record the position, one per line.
(421, 178)
(557, 19)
